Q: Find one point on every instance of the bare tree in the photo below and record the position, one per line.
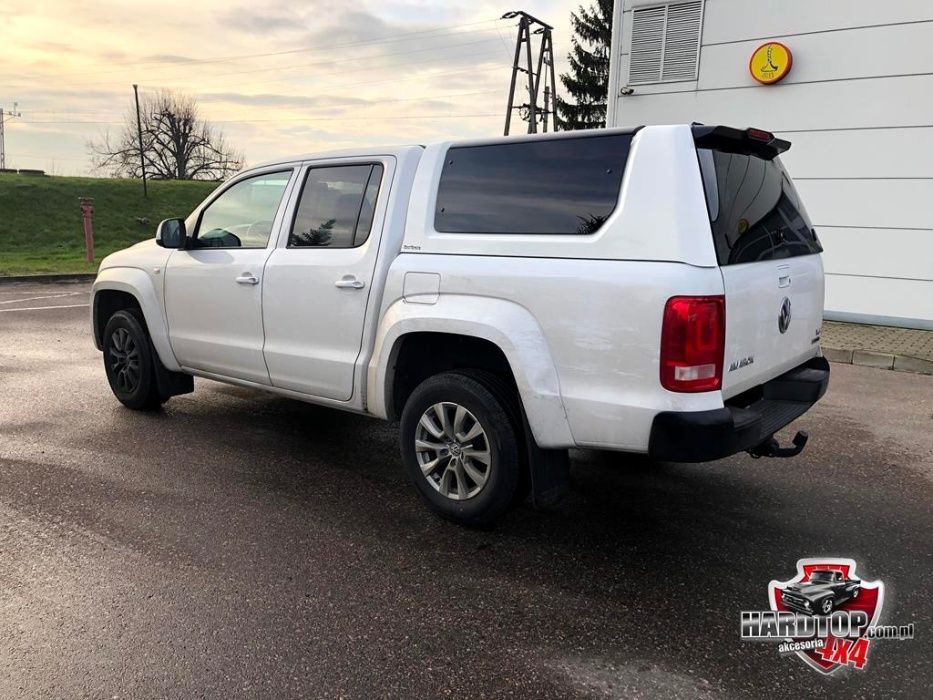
(177, 143)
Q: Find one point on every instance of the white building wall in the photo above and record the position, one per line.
(858, 108)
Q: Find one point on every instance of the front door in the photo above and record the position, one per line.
(213, 288)
(318, 280)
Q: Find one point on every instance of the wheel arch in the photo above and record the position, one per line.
(492, 334)
(116, 289)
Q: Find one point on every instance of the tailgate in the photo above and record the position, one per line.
(774, 312)
(769, 256)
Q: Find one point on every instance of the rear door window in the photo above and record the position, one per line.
(336, 206)
(755, 212)
(551, 186)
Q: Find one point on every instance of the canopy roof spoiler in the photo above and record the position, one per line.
(750, 142)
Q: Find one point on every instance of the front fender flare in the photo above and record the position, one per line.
(508, 325)
(136, 282)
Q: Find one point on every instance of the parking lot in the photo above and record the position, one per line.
(240, 544)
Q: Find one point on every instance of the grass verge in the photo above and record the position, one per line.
(41, 230)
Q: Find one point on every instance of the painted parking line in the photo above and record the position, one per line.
(43, 308)
(47, 296)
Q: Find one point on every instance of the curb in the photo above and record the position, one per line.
(77, 277)
(879, 360)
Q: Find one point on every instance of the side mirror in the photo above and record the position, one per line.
(171, 233)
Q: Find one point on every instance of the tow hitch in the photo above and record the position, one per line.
(772, 448)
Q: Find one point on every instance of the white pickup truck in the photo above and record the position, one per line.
(655, 290)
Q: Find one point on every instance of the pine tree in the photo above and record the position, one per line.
(588, 79)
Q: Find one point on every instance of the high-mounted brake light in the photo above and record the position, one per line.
(750, 142)
(693, 339)
(759, 135)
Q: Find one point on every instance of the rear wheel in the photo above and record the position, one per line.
(128, 362)
(460, 445)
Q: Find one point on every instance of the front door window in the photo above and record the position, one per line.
(242, 216)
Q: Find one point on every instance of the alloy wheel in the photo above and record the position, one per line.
(452, 449)
(124, 360)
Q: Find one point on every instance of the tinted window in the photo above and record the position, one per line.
(242, 216)
(754, 209)
(336, 207)
(558, 186)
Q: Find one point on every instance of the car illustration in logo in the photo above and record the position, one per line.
(825, 615)
(825, 589)
(822, 593)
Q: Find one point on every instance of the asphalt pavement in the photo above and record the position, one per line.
(237, 544)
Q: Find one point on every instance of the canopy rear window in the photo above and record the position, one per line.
(755, 212)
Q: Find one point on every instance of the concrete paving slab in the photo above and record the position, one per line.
(885, 347)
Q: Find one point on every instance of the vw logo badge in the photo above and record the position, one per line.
(784, 316)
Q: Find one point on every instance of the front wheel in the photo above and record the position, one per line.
(460, 445)
(826, 606)
(128, 361)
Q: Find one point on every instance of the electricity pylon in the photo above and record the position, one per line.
(11, 113)
(539, 76)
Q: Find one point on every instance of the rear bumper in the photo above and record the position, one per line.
(745, 422)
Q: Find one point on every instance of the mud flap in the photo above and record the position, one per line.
(169, 383)
(549, 471)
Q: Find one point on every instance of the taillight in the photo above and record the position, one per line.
(693, 339)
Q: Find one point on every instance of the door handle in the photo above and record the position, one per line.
(247, 278)
(349, 282)
(784, 281)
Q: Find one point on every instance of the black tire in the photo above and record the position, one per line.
(128, 361)
(492, 410)
(822, 604)
(508, 396)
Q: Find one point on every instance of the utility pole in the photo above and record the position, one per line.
(139, 131)
(540, 75)
(11, 113)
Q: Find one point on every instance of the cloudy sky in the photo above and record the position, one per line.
(279, 77)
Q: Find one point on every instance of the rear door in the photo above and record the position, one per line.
(318, 280)
(771, 268)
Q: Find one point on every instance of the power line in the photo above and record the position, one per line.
(327, 62)
(364, 118)
(241, 84)
(415, 71)
(50, 157)
(380, 102)
(204, 96)
(119, 81)
(224, 59)
(368, 117)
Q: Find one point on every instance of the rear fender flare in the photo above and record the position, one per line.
(509, 326)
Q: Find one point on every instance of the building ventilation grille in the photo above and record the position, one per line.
(665, 42)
